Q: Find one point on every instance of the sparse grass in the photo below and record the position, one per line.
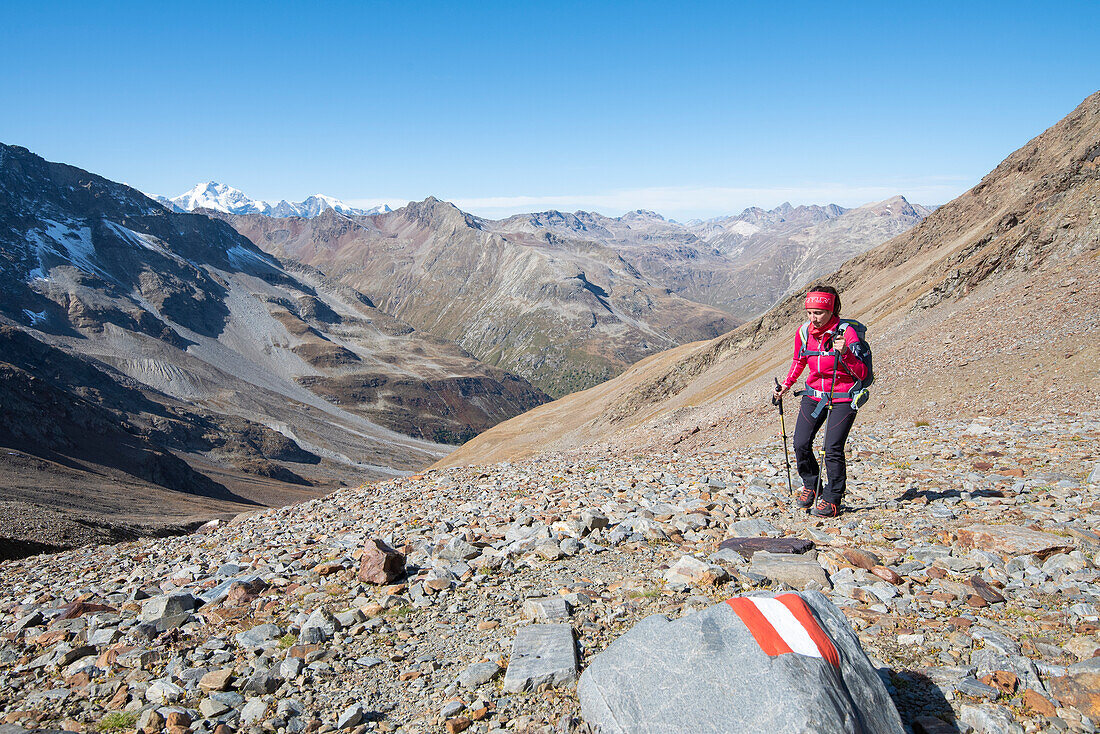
(651, 592)
(922, 424)
(286, 641)
(118, 720)
(402, 611)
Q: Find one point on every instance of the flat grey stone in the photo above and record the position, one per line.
(260, 683)
(169, 611)
(350, 716)
(752, 528)
(541, 654)
(794, 570)
(748, 546)
(990, 719)
(974, 687)
(478, 674)
(254, 710)
(211, 708)
(290, 668)
(549, 609)
(259, 636)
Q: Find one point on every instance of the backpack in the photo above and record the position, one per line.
(860, 349)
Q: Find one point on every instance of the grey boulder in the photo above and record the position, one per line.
(706, 672)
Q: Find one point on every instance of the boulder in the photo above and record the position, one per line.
(380, 564)
(169, 611)
(713, 671)
(793, 570)
(1011, 540)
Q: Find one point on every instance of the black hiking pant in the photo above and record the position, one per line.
(805, 429)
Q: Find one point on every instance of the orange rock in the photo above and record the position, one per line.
(178, 718)
(479, 714)
(457, 724)
(327, 568)
(488, 624)
(1003, 680)
(861, 559)
(121, 697)
(1038, 703)
(1081, 691)
(886, 574)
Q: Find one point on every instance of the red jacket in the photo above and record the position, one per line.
(821, 368)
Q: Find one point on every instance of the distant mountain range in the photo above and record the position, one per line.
(569, 300)
(221, 198)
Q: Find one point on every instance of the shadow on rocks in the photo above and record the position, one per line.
(932, 495)
(920, 702)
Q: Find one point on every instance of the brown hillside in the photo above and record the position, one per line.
(986, 307)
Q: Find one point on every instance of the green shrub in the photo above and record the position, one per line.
(118, 720)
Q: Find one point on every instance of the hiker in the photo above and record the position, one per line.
(816, 347)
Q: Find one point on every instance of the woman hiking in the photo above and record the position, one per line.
(830, 381)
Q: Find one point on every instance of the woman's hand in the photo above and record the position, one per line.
(840, 347)
(781, 391)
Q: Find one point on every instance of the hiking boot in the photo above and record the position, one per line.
(824, 508)
(805, 498)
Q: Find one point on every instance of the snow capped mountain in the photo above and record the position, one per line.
(222, 198)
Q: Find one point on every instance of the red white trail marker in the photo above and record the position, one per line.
(785, 624)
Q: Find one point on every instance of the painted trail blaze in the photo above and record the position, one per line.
(785, 624)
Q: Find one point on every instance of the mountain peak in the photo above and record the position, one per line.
(229, 200)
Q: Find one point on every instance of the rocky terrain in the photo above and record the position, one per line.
(165, 354)
(966, 563)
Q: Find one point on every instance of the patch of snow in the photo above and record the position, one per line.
(66, 242)
(146, 241)
(222, 198)
(744, 228)
(33, 317)
(241, 257)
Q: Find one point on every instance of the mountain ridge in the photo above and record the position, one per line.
(1024, 238)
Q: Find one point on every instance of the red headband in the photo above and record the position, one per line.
(820, 300)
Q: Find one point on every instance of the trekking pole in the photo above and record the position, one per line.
(828, 415)
(783, 428)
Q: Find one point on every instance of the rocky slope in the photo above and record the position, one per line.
(989, 302)
(967, 565)
(134, 336)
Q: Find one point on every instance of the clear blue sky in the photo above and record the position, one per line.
(692, 109)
